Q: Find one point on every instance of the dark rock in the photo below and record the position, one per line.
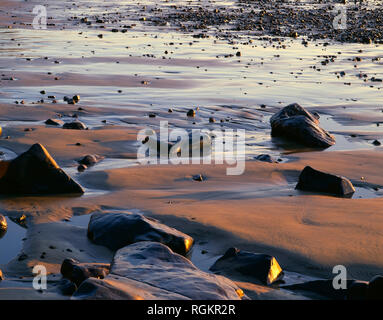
(119, 229)
(82, 168)
(67, 287)
(54, 122)
(295, 123)
(191, 113)
(1, 275)
(35, 172)
(159, 274)
(90, 160)
(76, 98)
(317, 181)
(67, 267)
(261, 267)
(323, 288)
(265, 158)
(357, 291)
(79, 272)
(376, 143)
(199, 177)
(3, 223)
(375, 288)
(76, 125)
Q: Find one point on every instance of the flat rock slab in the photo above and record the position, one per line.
(317, 181)
(116, 230)
(35, 173)
(151, 270)
(295, 123)
(261, 267)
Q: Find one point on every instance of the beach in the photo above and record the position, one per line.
(153, 66)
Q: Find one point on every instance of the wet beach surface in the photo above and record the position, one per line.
(236, 62)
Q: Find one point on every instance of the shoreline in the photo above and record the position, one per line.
(259, 211)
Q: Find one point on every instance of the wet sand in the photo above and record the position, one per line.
(258, 211)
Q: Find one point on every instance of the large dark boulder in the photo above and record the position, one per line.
(317, 181)
(151, 270)
(119, 229)
(35, 173)
(295, 123)
(261, 267)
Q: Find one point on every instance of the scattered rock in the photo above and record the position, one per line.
(119, 229)
(76, 125)
(158, 273)
(76, 98)
(199, 177)
(261, 267)
(90, 159)
(191, 113)
(79, 272)
(295, 123)
(265, 158)
(317, 181)
(82, 168)
(54, 122)
(35, 172)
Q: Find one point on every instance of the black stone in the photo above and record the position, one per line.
(297, 124)
(76, 125)
(261, 267)
(119, 229)
(35, 172)
(317, 181)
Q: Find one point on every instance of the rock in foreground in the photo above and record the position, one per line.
(35, 173)
(116, 230)
(317, 181)
(261, 267)
(295, 123)
(158, 273)
(78, 272)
